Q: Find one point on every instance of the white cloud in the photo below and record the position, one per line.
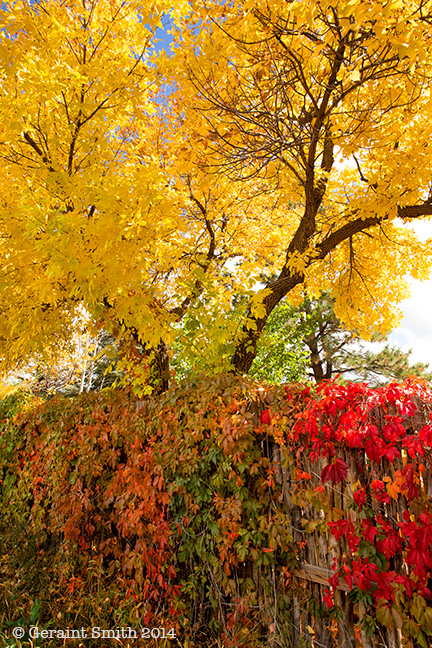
(415, 331)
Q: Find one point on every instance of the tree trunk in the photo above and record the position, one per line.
(316, 362)
(247, 345)
(160, 368)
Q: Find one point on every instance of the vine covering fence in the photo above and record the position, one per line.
(354, 471)
(239, 514)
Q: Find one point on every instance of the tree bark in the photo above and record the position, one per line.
(160, 368)
(247, 345)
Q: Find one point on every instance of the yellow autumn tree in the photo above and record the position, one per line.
(146, 187)
(328, 105)
(90, 213)
(94, 210)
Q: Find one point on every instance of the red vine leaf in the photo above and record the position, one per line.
(265, 417)
(335, 471)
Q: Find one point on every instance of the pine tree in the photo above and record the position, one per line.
(309, 341)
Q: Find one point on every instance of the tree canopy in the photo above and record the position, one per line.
(145, 187)
(309, 341)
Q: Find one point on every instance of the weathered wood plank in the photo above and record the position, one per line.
(319, 575)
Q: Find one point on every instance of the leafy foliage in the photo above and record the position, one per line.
(175, 508)
(90, 366)
(146, 188)
(309, 341)
(385, 560)
(391, 363)
(111, 491)
(296, 90)
(282, 356)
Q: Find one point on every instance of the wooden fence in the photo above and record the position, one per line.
(318, 550)
(308, 622)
